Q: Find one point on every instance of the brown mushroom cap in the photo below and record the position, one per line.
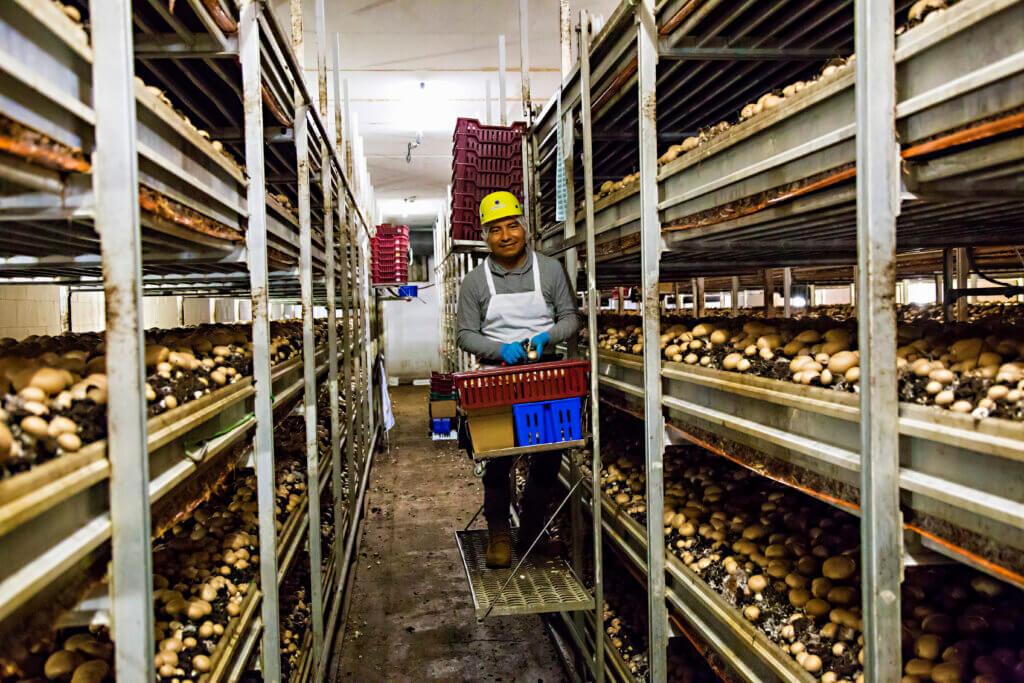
(839, 568)
(61, 664)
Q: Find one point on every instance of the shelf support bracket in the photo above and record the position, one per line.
(878, 204)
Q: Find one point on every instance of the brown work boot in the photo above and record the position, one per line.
(499, 549)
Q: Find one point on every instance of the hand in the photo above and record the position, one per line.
(539, 342)
(513, 353)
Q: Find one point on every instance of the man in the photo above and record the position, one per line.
(516, 295)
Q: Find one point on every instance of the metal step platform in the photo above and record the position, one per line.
(540, 585)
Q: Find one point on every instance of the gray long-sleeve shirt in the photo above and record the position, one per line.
(474, 296)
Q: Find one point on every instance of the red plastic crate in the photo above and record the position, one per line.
(471, 128)
(522, 384)
(469, 179)
(466, 231)
(471, 153)
(388, 230)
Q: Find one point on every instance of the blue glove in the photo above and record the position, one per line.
(513, 353)
(539, 342)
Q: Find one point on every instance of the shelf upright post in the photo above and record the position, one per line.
(963, 271)
(878, 193)
(769, 292)
(593, 302)
(698, 296)
(354, 473)
(734, 295)
(787, 292)
(502, 102)
(115, 183)
(650, 255)
(309, 368)
(346, 333)
(256, 252)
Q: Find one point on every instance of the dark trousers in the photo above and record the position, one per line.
(541, 487)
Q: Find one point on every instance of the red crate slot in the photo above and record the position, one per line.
(482, 185)
(522, 384)
(473, 153)
(466, 231)
(472, 128)
(388, 230)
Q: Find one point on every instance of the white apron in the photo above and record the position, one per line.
(516, 317)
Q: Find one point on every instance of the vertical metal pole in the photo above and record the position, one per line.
(769, 293)
(813, 296)
(948, 266)
(347, 356)
(502, 104)
(962, 273)
(565, 36)
(115, 184)
(487, 98)
(734, 295)
(346, 132)
(854, 285)
(650, 252)
(309, 372)
(698, 296)
(330, 209)
(878, 192)
(64, 308)
(256, 251)
(593, 301)
(620, 300)
(787, 292)
(524, 58)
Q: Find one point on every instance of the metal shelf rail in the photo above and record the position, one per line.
(914, 146)
(105, 182)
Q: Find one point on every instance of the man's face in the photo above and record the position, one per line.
(506, 238)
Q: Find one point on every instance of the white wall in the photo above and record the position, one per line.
(412, 341)
(29, 309)
(88, 314)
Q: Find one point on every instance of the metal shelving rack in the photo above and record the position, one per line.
(200, 225)
(797, 191)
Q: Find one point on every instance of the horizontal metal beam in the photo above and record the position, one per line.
(271, 134)
(173, 46)
(745, 49)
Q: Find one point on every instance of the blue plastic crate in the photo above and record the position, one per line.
(547, 421)
(408, 291)
(564, 420)
(441, 425)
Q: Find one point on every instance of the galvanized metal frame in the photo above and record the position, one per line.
(309, 401)
(146, 256)
(115, 177)
(309, 407)
(330, 213)
(256, 251)
(650, 255)
(702, 397)
(593, 303)
(878, 204)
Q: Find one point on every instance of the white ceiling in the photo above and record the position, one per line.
(390, 47)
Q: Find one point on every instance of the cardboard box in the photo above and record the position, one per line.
(491, 429)
(442, 409)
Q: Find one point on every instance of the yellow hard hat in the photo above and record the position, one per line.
(499, 205)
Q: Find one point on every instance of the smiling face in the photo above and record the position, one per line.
(506, 239)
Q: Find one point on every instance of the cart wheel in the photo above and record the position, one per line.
(479, 468)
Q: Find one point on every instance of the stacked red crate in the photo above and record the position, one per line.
(390, 252)
(485, 159)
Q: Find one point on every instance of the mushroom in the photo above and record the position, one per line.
(94, 671)
(61, 664)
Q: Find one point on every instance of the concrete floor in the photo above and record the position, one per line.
(411, 616)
